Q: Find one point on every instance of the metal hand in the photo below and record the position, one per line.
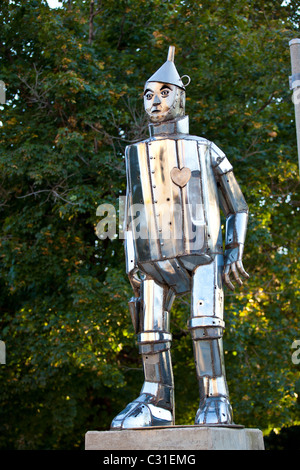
(234, 265)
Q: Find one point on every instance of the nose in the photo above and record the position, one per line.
(156, 100)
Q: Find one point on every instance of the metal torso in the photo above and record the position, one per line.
(173, 200)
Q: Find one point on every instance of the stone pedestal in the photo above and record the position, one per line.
(178, 438)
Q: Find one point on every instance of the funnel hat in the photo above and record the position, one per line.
(167, 73)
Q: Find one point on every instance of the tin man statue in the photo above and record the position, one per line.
(176, 184)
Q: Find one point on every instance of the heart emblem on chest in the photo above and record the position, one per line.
(180, 176)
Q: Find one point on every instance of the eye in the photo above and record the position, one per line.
(165, 93)
(149, 96)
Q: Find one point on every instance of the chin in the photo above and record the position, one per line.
(157, 118)
(161, 118)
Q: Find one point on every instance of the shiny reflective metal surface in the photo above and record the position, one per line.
(167, 73)
(176, 185)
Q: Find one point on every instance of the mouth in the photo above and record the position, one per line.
(155, 111)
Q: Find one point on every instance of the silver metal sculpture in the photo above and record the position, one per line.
(176, 184)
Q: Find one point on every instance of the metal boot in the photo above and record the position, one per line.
(155, 404)
(214, 406)
(207, 326)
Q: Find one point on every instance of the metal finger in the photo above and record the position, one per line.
(235, 274)
(226, 278)
(241, 269)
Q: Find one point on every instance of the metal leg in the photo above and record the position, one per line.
(155, 404)
(206, 326)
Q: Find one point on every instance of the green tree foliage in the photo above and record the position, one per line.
(74, 79)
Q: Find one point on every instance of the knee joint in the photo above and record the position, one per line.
(206, 328)
(151, 342)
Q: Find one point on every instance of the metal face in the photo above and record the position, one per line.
(163, 101)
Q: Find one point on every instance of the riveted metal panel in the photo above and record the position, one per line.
(232, 193)
(207, 293)
(210, 198)
(192, 198)
(143, 220)
(167, 196)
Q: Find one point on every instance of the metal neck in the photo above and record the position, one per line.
(177, 126)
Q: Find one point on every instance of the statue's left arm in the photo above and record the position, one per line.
(235, 210)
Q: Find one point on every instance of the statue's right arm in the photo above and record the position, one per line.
(130, 254)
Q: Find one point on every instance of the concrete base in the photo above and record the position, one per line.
(177, 438)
